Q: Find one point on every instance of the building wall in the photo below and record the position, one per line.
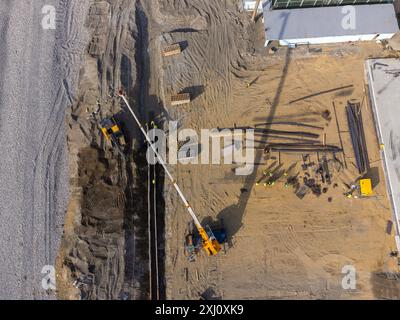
(322, 40)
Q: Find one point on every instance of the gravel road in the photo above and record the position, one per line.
(39, 70)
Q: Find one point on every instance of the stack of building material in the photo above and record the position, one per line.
(172, 50)
(354, 119)
(178, 99)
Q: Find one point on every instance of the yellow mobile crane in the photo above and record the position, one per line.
(209, 241)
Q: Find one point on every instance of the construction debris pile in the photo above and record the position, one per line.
(316, 173)
(311, 176)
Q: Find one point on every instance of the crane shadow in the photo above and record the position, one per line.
(233, 215)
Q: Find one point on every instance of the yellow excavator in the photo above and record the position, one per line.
(113, 133)
(209, 241)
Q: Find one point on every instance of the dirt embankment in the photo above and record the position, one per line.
(39, 70)
(101, 255)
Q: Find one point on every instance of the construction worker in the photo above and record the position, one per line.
(270, 183)
(153, 125)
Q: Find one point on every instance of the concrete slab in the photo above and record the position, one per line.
(384, 85)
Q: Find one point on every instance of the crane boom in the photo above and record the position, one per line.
(253, 18)
(210, 243)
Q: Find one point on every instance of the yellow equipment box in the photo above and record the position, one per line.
(365, 187)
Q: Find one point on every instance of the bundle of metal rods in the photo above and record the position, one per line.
(355, 122)
(300, 148)
(303, 134)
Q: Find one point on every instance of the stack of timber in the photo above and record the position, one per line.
(172, 50)
(300, 148)
(178, 99)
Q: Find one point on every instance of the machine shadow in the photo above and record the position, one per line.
(232, 216)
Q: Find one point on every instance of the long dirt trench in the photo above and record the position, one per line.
(113, 232)
(105, 249)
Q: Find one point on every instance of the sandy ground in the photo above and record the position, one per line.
(281, 246)
(38, 71)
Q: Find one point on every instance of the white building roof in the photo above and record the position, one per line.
(323, 22)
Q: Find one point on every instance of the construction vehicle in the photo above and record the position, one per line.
(194, 242)
(113, 133)
(209, 241)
